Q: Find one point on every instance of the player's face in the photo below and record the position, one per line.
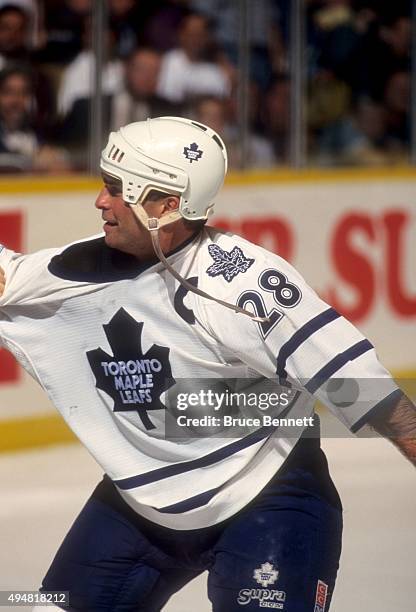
(122, 230)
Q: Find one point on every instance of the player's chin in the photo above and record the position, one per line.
(110, 239)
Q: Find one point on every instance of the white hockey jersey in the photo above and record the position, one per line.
(110, 340)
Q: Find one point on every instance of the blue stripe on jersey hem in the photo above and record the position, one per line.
(336, 364)
(191, 503)
(389, 401)
(301, 335)
(186, 466)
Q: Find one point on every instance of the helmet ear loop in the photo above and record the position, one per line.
(140, 213)
(151, 223)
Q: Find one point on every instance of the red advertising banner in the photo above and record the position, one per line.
(388, 231)
(11, 235)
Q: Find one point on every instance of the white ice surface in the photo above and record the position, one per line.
(43, 490)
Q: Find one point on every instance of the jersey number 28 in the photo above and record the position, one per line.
(285, 294)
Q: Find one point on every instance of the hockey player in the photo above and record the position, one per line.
(161, 317)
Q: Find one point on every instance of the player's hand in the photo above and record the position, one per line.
(2, 281)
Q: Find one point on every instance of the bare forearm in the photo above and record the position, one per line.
(2, 281)
(398, 424)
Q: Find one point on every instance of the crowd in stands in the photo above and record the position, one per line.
(180, 57)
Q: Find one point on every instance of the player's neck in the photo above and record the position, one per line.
(170, 242)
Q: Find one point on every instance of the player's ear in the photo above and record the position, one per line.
(171, 203)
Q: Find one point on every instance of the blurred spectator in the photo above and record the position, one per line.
(275, 115)
(329, 99)
(334, 39)
(192, 69)
(397, 104)
(14, 34)
(135, 101)
(18, 140)
(162, 22)
(370, 144)
(359, 92)
(137, 23)
(15, 47)
(328, 118)
(78, 78)
(358, 67)
(213, 112)
(267, 49)
(21, 148)
(125, 23)
(29, 6)
(32, 10)
(138, 100)
(62, 29)
(383, 128)
(386, 50)
(372, 134)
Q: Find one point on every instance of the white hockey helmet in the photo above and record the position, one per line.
(170, 154)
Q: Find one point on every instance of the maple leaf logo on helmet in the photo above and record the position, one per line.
(193, 153)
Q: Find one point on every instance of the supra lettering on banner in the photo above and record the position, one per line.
(372, 274)
(396, 229)
(11, 229)
(387, 233)
(353, 266)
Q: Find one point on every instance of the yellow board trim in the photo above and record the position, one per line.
(46, 430)
(32, 432)
(311, 175)
(57, 184)
(16, 185)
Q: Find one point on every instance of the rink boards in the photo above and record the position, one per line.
(351, 233)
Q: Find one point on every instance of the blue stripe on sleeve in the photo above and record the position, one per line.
(337, 363)
(301, 335)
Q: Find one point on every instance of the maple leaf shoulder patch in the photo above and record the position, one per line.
(228, 263)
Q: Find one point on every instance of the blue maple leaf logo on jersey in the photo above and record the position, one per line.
(193, 153)
(133, 379)
(228, 264)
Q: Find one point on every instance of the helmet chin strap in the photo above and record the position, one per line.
(152, 224)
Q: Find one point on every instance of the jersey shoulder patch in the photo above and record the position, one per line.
(93, 261)
(228, 264)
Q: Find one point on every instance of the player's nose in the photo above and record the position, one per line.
(103, 201)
